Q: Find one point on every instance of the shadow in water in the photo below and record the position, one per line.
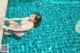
(21, 1)
(13, 3)
(26, 1)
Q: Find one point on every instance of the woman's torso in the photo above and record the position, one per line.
(25, 23)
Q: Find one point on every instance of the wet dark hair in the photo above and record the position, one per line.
(37, 19)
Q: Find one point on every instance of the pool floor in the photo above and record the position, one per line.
(56, 34)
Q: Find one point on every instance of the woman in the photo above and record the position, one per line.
(26, 24)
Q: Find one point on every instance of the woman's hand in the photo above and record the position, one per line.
(1, 26)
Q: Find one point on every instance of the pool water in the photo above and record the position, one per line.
(56, 34)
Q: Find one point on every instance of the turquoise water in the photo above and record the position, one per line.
(56, 34)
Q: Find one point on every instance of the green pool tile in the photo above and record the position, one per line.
(56, 33)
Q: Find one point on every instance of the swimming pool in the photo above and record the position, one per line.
(56, 33)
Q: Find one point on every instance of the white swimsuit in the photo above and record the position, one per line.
(28, 25)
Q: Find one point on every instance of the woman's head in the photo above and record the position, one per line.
(36, 17)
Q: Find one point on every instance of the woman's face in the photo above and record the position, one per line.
(32, 18)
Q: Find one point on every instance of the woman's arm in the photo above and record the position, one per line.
(14, 19)
(6, 19)
(17, 30)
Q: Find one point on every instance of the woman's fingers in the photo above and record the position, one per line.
(1, 26)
